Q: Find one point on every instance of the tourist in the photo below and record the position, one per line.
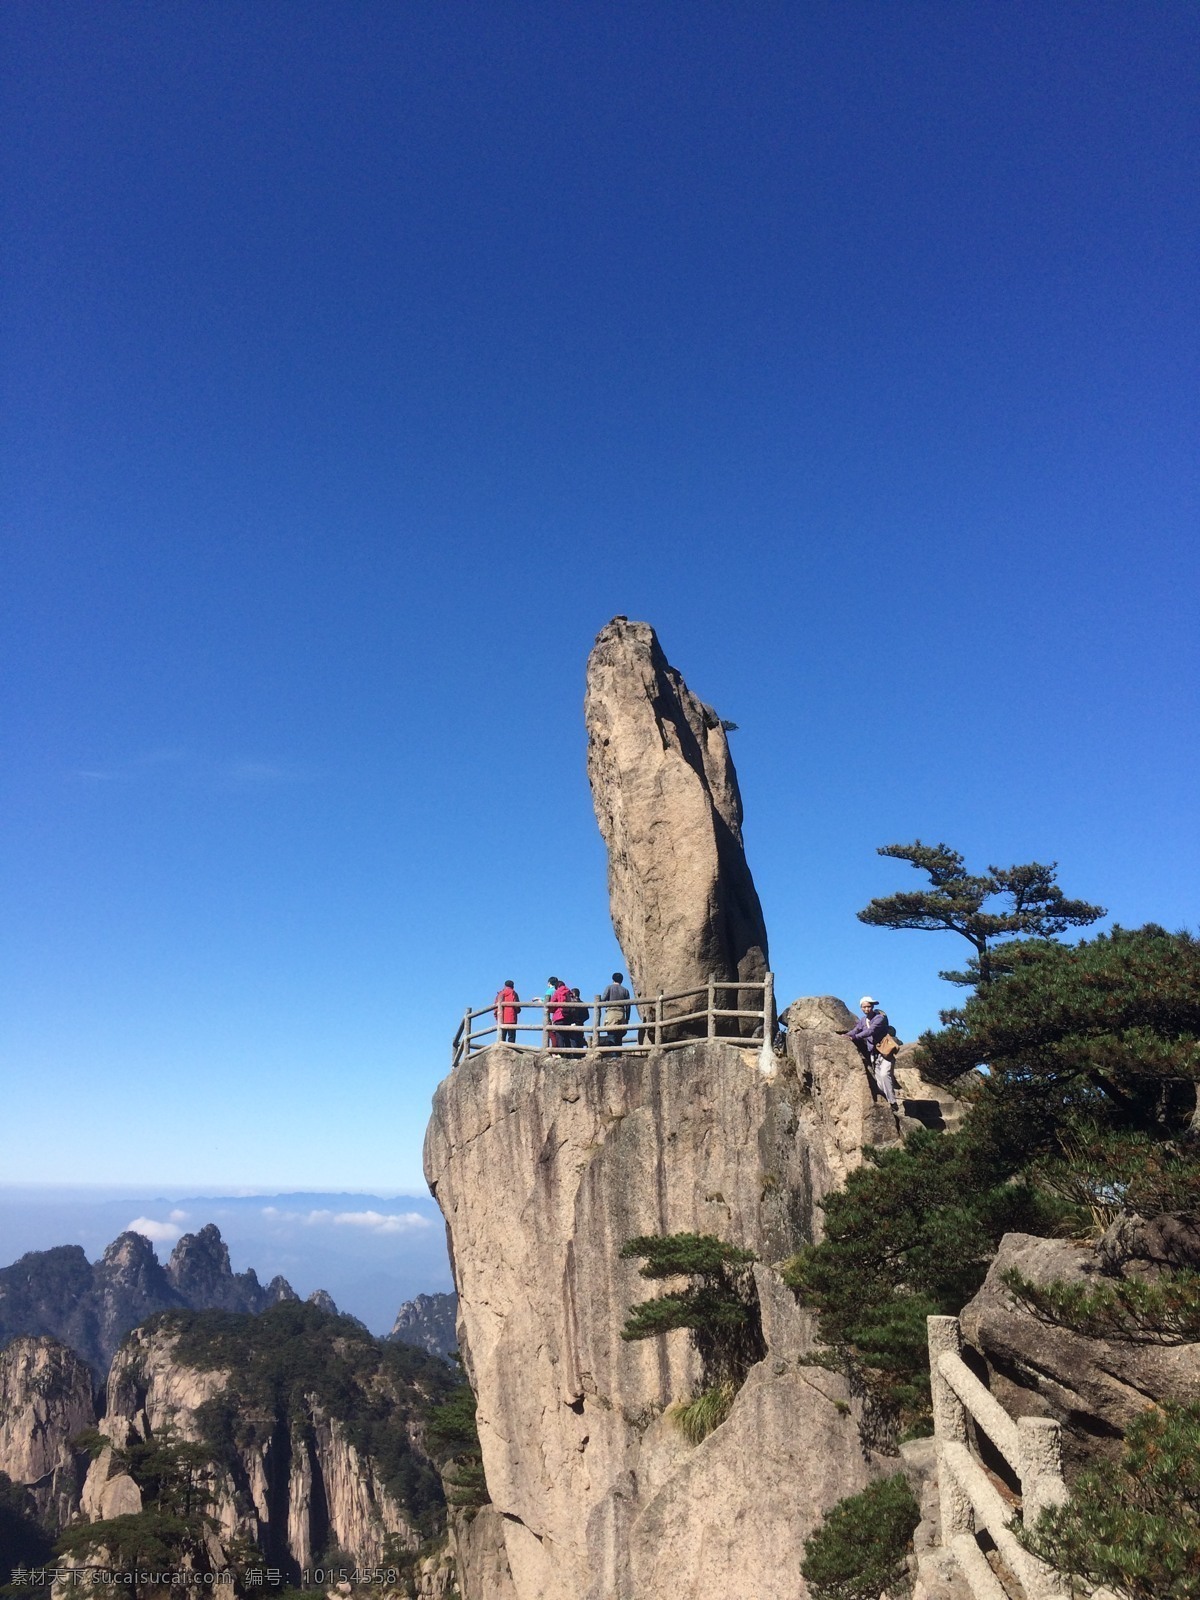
(577, 1015)
(616, 1016)
(867, 1034)
(506, 1012)
(560, 1000)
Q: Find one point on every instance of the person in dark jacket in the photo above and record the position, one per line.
(866, 1034)
(615, 1000)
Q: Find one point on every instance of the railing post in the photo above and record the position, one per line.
(466, 1038)
(545, 1024)
(596, 1027)
(1039, 1452)
(949, 1427)
(658, 1018)
(766, 1060)
(712, 1001)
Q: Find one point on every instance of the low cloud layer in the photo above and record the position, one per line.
(373, 1221)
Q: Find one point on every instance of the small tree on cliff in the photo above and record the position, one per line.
(1022, 902)
(719, 1307)
(173, 1530)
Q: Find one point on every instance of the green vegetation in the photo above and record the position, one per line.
(1106, 1032)
(696, 1418)
(452, 1439)
(1136, 1528)
(1023, 903)
(1080, 1066)
(294, 1353)
(859, 1551)
(1164, 1310)
(1085, 1110)
(170, 1532)
(911, 1235)
(719, 1307)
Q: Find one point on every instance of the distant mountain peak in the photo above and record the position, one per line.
(90, 1308)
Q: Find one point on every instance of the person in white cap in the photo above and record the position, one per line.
(866, 1034)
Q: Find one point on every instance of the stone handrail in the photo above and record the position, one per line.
(970, 1501)
(657, 1027)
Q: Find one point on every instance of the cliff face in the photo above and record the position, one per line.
(45, 1401)
(543, 1169)
(428, 1321)
(291, 1478)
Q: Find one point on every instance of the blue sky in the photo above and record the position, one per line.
(361, 361)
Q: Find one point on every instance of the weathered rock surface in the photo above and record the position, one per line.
(684, 906)
(296, 1485)
(596, 1494)
(847, 1115)
(1095, 1387)
(480, 1555)
(428, 1321)
(1170, 1240)
(45, 1401)
(90, 1308)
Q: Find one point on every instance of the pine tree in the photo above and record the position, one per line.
(1029, 905)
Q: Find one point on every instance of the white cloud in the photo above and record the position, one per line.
(373, 1221)
(178, 1216)
(382, 1222)
(156, 1232)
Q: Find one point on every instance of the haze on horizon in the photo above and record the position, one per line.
(362, 362)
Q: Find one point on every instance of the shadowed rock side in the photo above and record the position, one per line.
(684, 905)
(544, 1167)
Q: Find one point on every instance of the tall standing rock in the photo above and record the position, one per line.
(684, 906)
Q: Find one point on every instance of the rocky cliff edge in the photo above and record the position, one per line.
(544, 1167)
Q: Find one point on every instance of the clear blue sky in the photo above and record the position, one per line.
(361, 360)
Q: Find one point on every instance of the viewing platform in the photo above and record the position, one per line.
(742, 1013)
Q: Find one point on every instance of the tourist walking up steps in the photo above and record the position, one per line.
(616, 1015)
(870, 1032)
(506, 1012)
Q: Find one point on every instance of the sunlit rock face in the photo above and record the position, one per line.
(544, 1167)
(294, 1484)
(684, 906)
(45, 1402)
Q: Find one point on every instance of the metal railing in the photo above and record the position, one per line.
(661, 1025)
(971, 1498)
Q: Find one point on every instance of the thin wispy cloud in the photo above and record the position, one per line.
(197, 771)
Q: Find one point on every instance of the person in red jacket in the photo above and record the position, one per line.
(560, 1000)
(506, 1012)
